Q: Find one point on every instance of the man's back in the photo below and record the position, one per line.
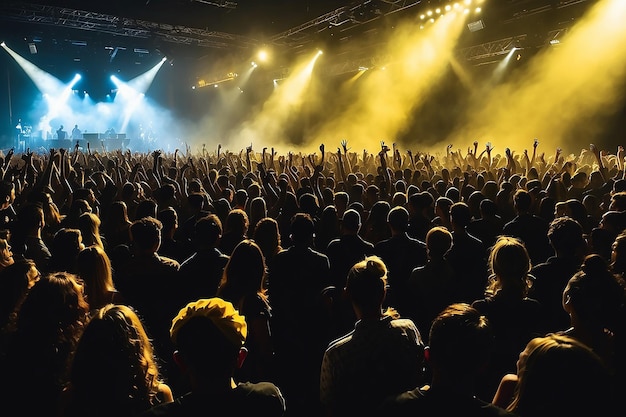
(430, 402)
(378, 358)
(247, 399)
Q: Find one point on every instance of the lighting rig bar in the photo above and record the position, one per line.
(98, 22)
(491, 49)
(356, 14)
(223, 3)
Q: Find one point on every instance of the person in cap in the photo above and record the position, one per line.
(208, 336)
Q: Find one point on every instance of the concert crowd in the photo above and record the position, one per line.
(381, 282)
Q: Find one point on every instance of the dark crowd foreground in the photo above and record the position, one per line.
(382, 282)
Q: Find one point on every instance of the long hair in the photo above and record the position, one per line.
(267, 236)
(94, 267)
(244, 274)
(558, 375)
(89, 225)
(114, 368)
(510, 265)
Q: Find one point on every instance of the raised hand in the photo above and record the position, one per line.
(535, 143)
(344, 145)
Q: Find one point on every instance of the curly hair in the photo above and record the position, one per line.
(114, 365)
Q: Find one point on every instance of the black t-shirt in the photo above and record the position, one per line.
(248, 399)
(423, 403)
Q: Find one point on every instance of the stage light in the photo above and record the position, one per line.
(466, 11)
(456, 5)
(432, 20)
(438, 10)
(253, 64)
(3, 44)
(429, 13)
(319, 52)
(448, 8)
(164, 59)
(193, 87)
(422, 16)
(262, 55)
(468, 2)
(478, 10)
(555, 42)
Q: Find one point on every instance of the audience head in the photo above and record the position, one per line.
(366, 285)
(146, 208)
(522, 201)
(267, 236)
(460, 216)
(168, 218)
(460, 342)
(237, 222)
(510, 264)
(351, 222)
(438, 242)
(207, 231)
(208, 336)
(94, 268)
(566, 237)
(145, 234)
(558, 375)
(244, 273)
(114, 366)
(594, 296)
(302, 229)
(398, 219)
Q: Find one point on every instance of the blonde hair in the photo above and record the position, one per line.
(510, 266)
(94, 267)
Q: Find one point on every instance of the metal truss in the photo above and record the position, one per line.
(220, 3)
(541, 9)
(491, 49)
(98, 22)
(556, 36)
(352, 15)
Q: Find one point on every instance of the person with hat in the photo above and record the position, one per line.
(208, 336)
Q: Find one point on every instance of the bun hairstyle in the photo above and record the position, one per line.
(595, 293)
(367, 284)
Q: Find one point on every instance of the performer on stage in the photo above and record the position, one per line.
(61, 134)
(76, 133)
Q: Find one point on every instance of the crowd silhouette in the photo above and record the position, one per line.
(313, 284)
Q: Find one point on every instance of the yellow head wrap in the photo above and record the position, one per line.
(222, 313)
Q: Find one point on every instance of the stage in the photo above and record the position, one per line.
(96, 141)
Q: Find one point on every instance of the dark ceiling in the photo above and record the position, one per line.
(131, 32)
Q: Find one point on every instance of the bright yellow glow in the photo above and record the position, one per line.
(384, 101)
(456, 5)
(262, 55)
(448, 8)
(422, 16)
(438, 10)
(466, 11)
(551, 100)
(468, 2)
(429, 13)
(478, 10)
(286, 99)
